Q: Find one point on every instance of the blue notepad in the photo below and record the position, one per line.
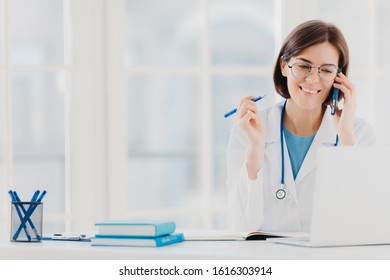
(107, 240)
(148, 228)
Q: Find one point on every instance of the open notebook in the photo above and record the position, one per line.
(216, 234)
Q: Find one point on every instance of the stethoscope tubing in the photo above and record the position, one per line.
(281, 192)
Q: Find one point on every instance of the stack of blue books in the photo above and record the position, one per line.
(137, 233)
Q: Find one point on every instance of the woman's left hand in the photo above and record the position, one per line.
(344, 119)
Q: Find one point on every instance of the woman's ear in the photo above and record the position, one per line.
(283, 65)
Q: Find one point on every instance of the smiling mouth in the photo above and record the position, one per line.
(309, 91)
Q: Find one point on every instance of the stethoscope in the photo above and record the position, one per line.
(281, 193)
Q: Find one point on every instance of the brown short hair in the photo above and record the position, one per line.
(305, 35)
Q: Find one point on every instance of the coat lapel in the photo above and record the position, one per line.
(272, 139)
(326, 136)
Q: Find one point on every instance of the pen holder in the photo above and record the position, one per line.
(26, 221)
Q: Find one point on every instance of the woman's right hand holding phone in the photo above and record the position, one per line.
(252, 126)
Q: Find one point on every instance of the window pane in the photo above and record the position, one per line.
(163, 126)
(37, 31)
(353, 25)
(382, 25)
(2, 32)
(3, 82)
(163, 33)
(38, 136)
(162, 182)
(162, 112)
(242, 32)
(4, 201)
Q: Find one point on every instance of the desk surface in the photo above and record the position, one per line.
(187, 250)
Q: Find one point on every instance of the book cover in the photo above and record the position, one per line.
(109, 240)
(151, 228)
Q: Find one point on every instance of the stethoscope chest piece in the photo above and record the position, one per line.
(281, 193)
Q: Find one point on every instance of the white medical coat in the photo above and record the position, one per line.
(252, 204)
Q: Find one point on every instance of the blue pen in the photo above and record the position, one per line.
(35, 196)
(232, 112)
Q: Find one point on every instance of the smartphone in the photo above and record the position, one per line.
(335, 97)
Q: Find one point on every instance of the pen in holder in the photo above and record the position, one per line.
(26, 218)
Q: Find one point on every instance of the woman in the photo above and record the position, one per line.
(271, 154)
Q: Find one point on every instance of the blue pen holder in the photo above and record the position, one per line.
(26, 221)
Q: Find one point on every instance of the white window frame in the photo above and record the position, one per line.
(88, 198)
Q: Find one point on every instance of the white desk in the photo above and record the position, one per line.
(63, 250)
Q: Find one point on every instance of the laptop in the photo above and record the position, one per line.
(351, 203)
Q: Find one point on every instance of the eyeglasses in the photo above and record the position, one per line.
(326, 72)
